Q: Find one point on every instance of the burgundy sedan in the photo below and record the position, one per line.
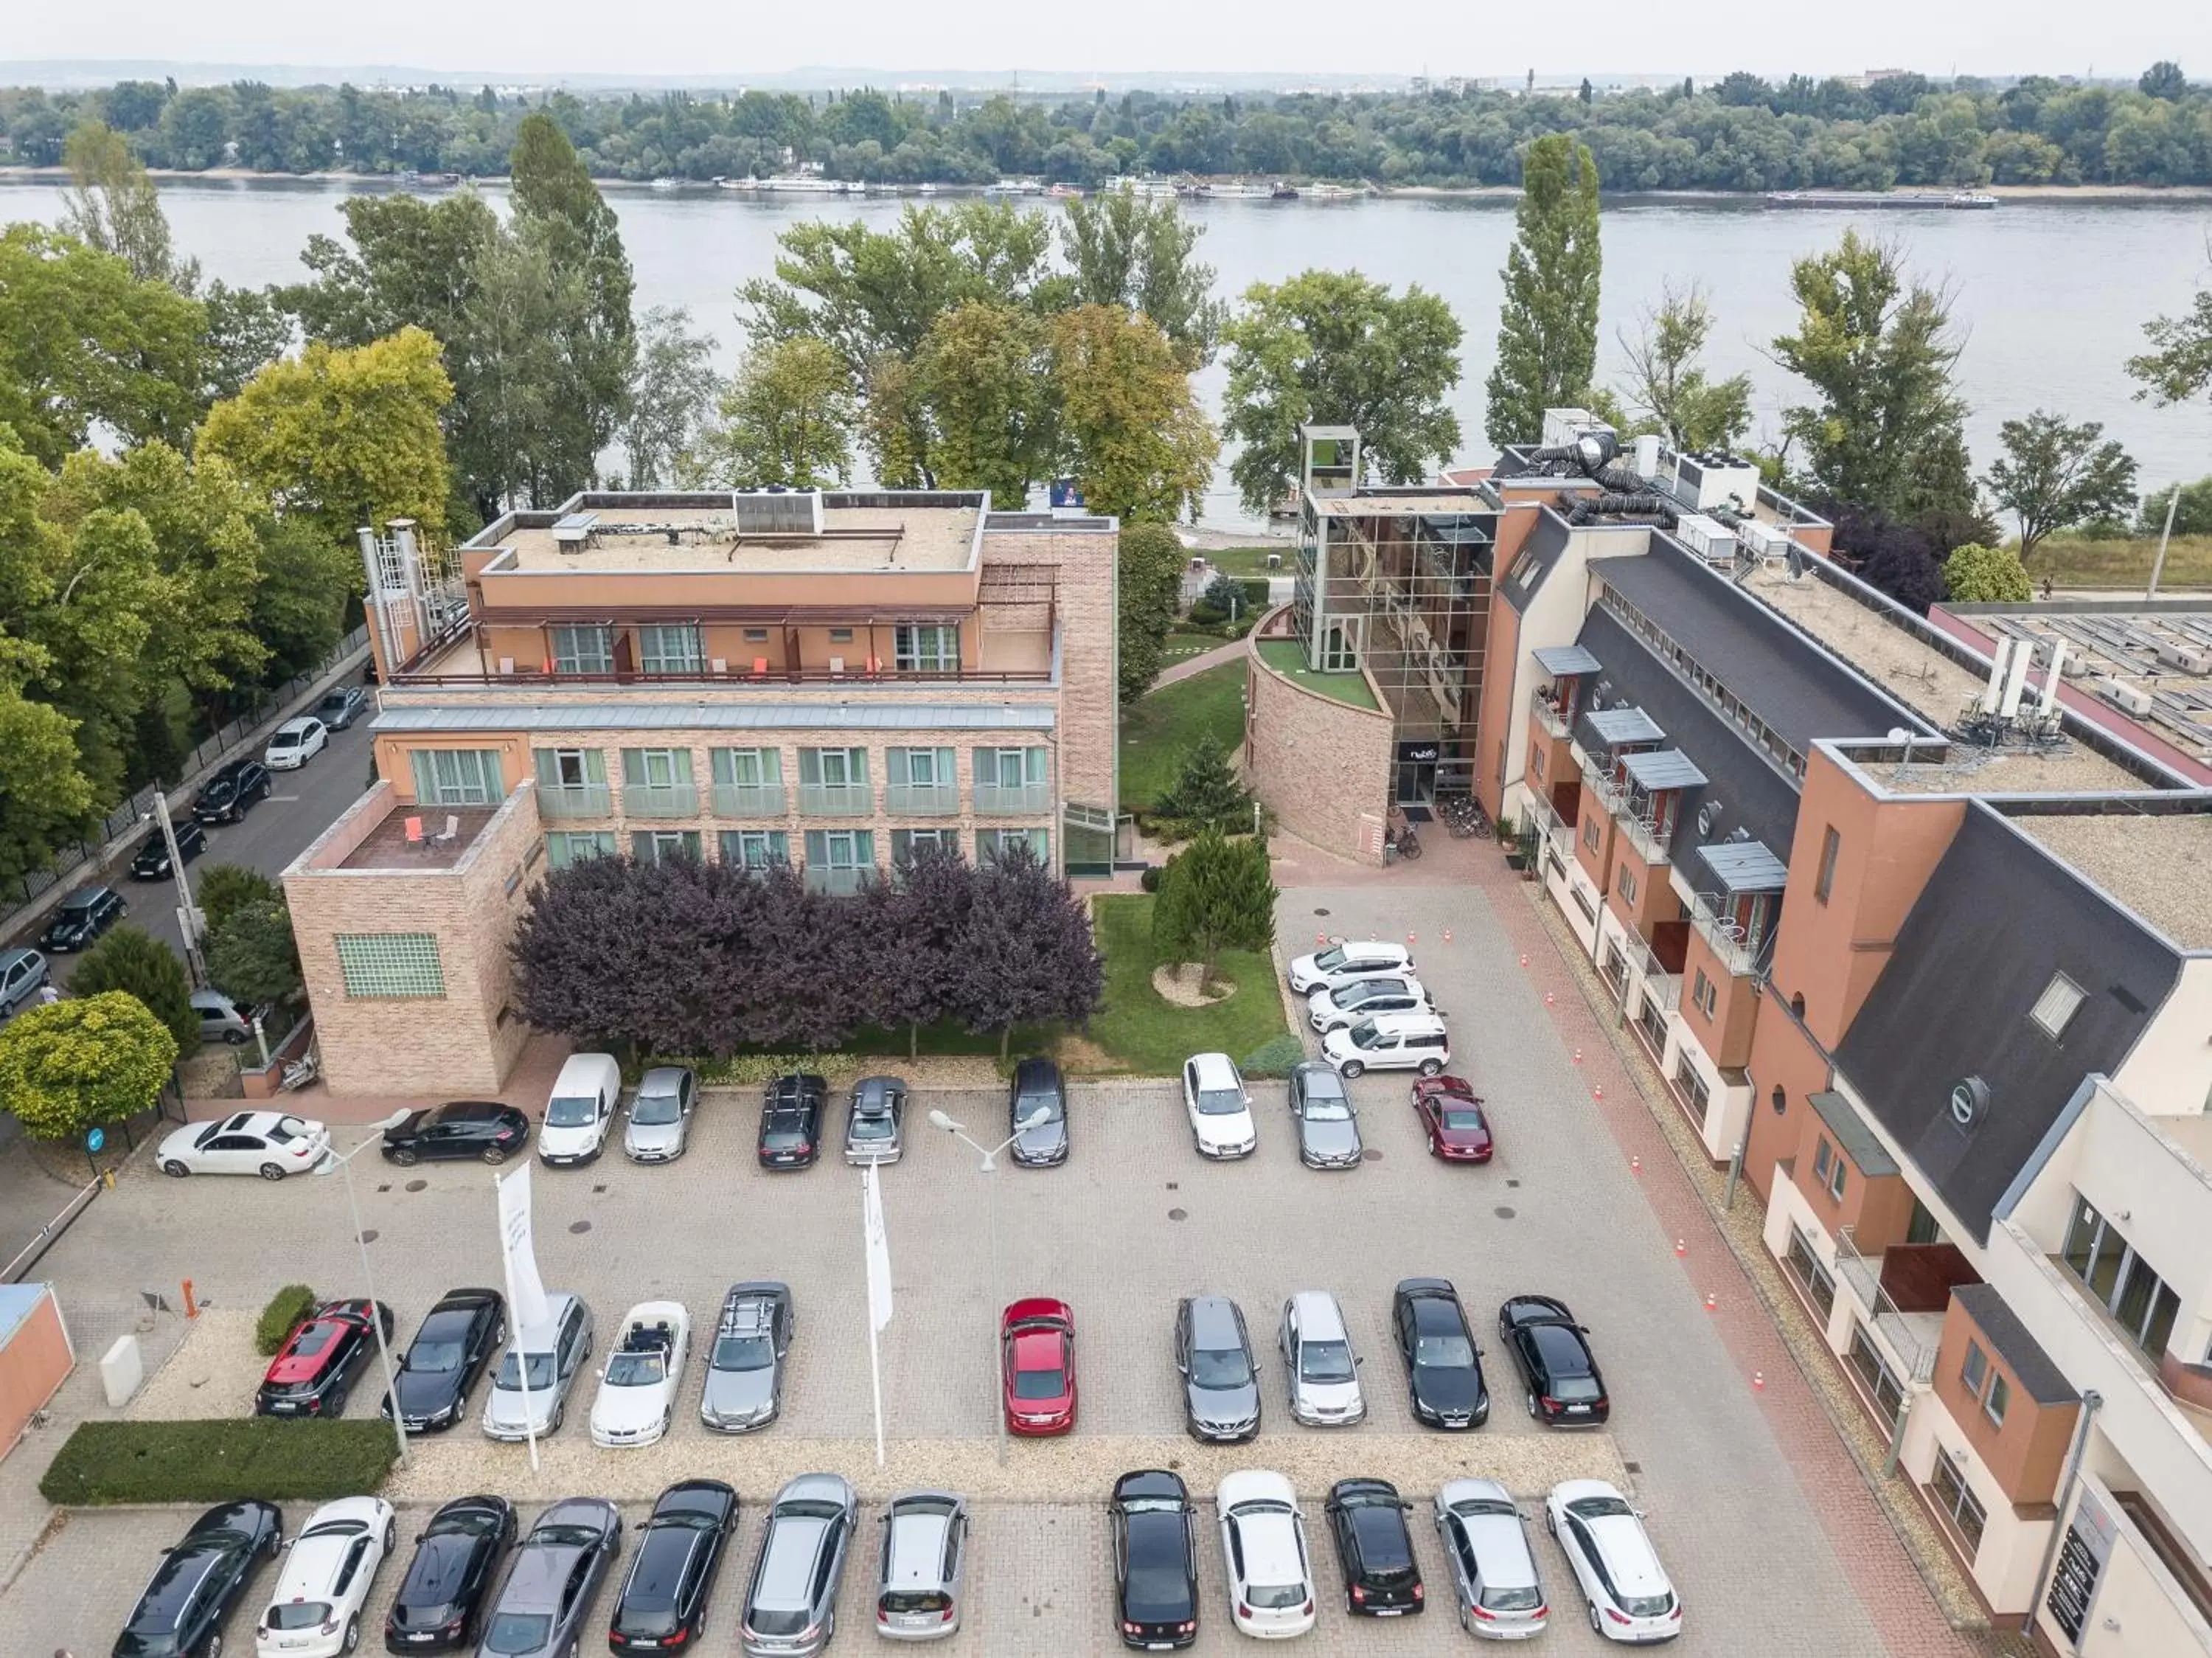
(1452, 1116)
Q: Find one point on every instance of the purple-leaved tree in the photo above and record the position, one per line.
(1028, 954)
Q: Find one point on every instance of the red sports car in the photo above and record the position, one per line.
(1452, 1116)
(1036, 1344)
(317, 1368)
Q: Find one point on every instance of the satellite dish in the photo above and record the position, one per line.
(1899, 733)
(1796, 561)
(1709, 814)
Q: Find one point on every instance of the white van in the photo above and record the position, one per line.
(581, 1109)
(1389, 1041)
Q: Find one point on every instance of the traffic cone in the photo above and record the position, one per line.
(1636, 1166)
(1548, 998)
(1446, 934)
(1709, 1301)
(1524, 958)
(1680, 1249)
(1759, 1381)
(1597, 1093)
(1578, 1056)
(1409, 941)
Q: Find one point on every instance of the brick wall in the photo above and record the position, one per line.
(1089, 706)
(1322, 766)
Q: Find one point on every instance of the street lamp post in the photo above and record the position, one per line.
(344, 1165)
(990, 1166)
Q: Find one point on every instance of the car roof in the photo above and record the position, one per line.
(1630, 1560)
(9, 957)
(1271, 1547)
(1040, 1349)
(1214, 1321)
(1367, 949)
(1319, 1318)
(586, 1070)
(541, 1337)
(1407, 1023)
(1561, 1344)
(663, 1079)
(84, 898)
(1215, 1070)
(917, 1544)
(874, 1092)
(471, 1111)
(1035, 1074)
(1155, 1484)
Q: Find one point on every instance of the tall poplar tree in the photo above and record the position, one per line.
(1547, 329)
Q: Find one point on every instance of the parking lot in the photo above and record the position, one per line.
(1135, 1220)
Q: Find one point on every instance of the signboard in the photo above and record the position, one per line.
(525, 1289)
(2081, 1560)
(95, 1138)
(1417, 753)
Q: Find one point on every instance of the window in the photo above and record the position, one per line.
(1013, 779)
(921, 780)
(904, 842)
(657, 782)
(1804, 1264)
(391, 967)
(920, 647)
(570, 768)
(1693, 1086)
(567, 847)
(1882, 1383)
(1831, 843)
(671, 648)
(1705, 993)
(1627, 883)
(839, 860)
(1975, 1371)
(1589, 832)
(992, 845)
(1921, 1227)
(2055, 1006)
(1536, 761)
(748, 781)
(583, 649)
(456, 777)
(2119, 1280)
(1828, 1168)
(659, 845)
(1779, 1100)
(840, 635)
(1524, 567)
(2000, 1395)
(1947, 1484)
(834, 781)
(756, 848)
(756, 636)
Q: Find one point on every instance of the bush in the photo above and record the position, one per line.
(222, 888)
(224, 1460)
(287, 1311)
(130, 959)
(1150, 881)
(1275, 1057)
(1974, 573)
(1207, 613)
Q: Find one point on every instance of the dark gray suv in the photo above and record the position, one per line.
(1220, 1387)
(1037, 1088)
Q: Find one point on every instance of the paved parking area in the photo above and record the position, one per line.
(1134, 1220)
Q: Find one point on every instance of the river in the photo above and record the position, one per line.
(2049, 296)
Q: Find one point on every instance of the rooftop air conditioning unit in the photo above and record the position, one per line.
(1646, 449)
(1563, 426)
(571, 533)
(2190, 659)
(1704, 481)
(1710, 540)
(2073, 667)
(1763, 540)
(2130, 698)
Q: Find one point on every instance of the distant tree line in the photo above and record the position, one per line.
(1741, 132)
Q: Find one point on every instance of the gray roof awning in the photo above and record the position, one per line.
(861, 714)
(1745, 866)
(1853, 1134)
(1566, 659)
(1615, 726)
(1663, 768)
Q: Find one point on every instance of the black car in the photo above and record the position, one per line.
(456, 1558)
(1154, 1561)
(1037, 1088)
(315, 1369)
(1443, 1367)
(791, 1121)
(663, 1603)
(84, 916)
(231, 793)
(153, 864)
(451, 1346)
(1368, 1520)
(459, 1128)
(341, 706)
(1566, 1388)
(199, 1580)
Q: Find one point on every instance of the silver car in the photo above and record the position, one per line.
(875, 1120)
(557, 1570)
(523, 1403)
(659, 1123)
(1494, 1577)
(790, 1605)
(918, 1592)
(1323, 1371)
(745, 1368)
(1328, 1123)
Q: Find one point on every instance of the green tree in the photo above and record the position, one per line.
(2192, 514)
(1667, 384)
(46, 799)
(82, 1063)
(1149, 578)
(1332, 348)
(1205, 794)
(980, 380)
(251, 953)
(1548, 327)
(2054, 476)
(2164, 79)
(1974, 573)
(1140, 445)
(675, 388)
(1216, 894)
(1136, 252)
(112, 205)
(1886, 428)
(223, 889)
(786, 418)
(129, 958)
(2178, 365)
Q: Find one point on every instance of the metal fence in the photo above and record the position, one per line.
(270, 705)
(28, 1256)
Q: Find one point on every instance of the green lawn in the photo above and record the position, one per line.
(1250, 561)
(2123, 565)
(1181, 646)
(1140, 1032)
(1288, 657)
(1164, 725)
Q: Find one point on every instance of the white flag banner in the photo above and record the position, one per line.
(525, 1288)
(879, 1248)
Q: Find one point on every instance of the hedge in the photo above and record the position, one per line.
(219, 1461)
(1274, 1057)
(287, 1311)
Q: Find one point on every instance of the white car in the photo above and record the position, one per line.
(1629, 1595)
(270, 1143)
(644, 1371)
(1363, 998)
(1263, 1539)
(329, 1569)
(1317, 1357)
(1220, 1111)
(1389, 1041)
(1341, 964)
(294, 743)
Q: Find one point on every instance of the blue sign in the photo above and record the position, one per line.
(95, 1138)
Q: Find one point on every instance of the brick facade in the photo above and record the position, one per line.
(1322, 766)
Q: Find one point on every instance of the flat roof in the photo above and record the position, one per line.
(1413, 501)
(2163, 649)
(2159, 865)
(636, 539)
(1859, 1141)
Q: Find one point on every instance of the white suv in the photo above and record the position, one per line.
(1389, 1041)
(1220, 1111)
(1332, 1010)
(1341, 963)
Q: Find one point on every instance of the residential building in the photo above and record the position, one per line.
(825, 679)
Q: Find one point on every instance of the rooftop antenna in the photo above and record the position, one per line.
(1995, 689)
(2023, 657)
(2049, 701)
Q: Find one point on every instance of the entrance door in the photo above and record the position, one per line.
(1417, 772)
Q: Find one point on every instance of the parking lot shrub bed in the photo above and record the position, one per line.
(1275, 1057)
(287, 1310)
(218, 1461)
(1139, 1031)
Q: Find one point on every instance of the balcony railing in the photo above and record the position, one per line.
(1598, 779)
(1639, 955)
(836, 800)
(1016, 800)
(748, 800)
(1864, 1276)
(922, 799)
(1662, 991)
(661, 800)
(1649, 840)
(561, 801)
(838, 880)
(1549, 717)
(1548, 824)
(735, 672)
(1723, 936)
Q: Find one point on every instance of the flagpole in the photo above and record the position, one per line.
(521, 1353)
(870, 1209)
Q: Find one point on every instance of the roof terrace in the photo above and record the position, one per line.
(631, 534)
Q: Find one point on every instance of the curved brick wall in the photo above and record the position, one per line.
(1321, 766)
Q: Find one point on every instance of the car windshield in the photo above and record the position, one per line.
(286, 739)
(782, 1133)
(1647, 1606)
(1028, 1106)
(297, 1614)
(1219, 1102)
(656, 1110)
(541, 1372)
(1331, 959)
(1576, 1390)
(1363, 1035)
(1465, 1118)
(578, 1110)
(1226, 1367)
(743, 1353)
(1274, 1597)
(1443, 1352)
(1325, 1361)
(1328, 1108)
(1600, 1508)
(1525, 1598)
(517, 1631)
(636, 1370)
(869, 1125)
(1040, 1384)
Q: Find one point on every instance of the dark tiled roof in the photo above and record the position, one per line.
(2042, 1380)
(1996, 919)
(1523, 576)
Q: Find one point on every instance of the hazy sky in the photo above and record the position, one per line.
(1705, 38)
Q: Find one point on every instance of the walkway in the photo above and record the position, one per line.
(1191, 666)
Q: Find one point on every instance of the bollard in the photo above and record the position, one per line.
(191, 1307)
(1446, 934)
(1409, 941)
(1578, 1056)
(1597, 1093)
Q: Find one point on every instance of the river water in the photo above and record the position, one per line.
(2050, 297)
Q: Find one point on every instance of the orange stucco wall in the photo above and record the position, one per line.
(1494, 719)
(35, 1363)
(2026, 1454)
(1782, 1056)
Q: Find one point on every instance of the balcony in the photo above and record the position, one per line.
(1723, 936)
(1018, 799)
(838, 880)
(1548, 824)
(564, 802)
(1912, 1336)
(1549, 717)
(922, 799)
(1649, 840)
(661, 799)
(1610, 793)
(836, 800)
(748, 800)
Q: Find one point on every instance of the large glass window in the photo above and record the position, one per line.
(457, 777)
(391, 967)
(2120, 1281)
(756, 848)
(671, 647)
(572, 782)
(1013, 780)
(921, 781)
(748, 782)
(582, 649)
(839, 860)
(1881, 1382)
(834, 782)
(565, 847)
(657, 845)
(657, 784)
(1947, 1486)
(923, 647)
(905, 842)
(1804, 1264)
(992, 845)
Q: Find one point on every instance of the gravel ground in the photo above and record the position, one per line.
(213, 1372)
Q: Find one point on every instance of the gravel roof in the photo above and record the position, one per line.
(2159, 866)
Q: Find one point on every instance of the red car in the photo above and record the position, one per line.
(317, 1368)
(1036, 1344)
(1451, 1114)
